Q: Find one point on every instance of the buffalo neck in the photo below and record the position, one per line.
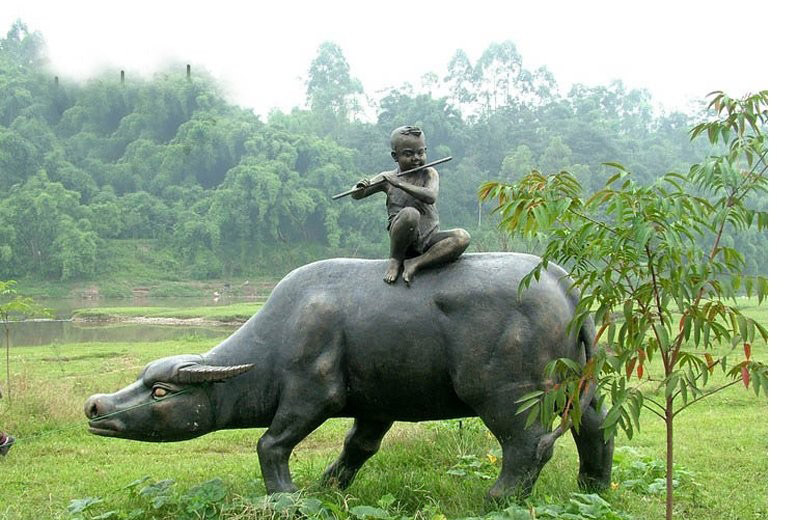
(246, 400)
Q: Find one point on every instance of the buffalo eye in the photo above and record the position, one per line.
(159, 392)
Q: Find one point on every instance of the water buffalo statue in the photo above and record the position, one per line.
(334, 340)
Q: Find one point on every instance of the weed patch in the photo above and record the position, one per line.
(213, 500)
(579, 507)
(485, 468)
(647, 475)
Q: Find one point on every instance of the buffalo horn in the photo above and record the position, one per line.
(209, 374)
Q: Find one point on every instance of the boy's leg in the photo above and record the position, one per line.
(402, 233)
(443, 247)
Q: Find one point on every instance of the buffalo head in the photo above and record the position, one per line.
(169, 401)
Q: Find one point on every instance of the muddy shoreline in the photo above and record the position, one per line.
(142, 320)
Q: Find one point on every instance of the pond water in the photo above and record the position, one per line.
(60, 330)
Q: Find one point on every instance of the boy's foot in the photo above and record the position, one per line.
(8, 441)
(409, 270)
(395, 266)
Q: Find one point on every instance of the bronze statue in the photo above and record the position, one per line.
(335, 341)
(415, 239)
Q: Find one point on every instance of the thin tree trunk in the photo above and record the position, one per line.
(669, 418)
(8, 364)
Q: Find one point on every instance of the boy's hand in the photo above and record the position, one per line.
(392, 179)
(363, 183)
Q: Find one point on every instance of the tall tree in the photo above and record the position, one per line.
(54, 238)
(460, 82)
(330, 89)
(19, 159)
(25, 48)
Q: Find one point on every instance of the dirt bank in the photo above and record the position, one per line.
(193, 322)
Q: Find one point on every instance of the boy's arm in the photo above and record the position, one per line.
(427, 193)
(371, 186)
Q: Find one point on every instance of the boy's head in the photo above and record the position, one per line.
(408, 147)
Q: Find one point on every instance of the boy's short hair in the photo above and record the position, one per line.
(403, 131)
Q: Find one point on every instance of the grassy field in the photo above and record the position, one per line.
(431, 470)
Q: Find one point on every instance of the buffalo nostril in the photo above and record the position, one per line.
(92, 407)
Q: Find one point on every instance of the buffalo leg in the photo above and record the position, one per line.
(361, 443)
(311, 392)
(275, 447)
(293, 422)
(595, 454)
(523, 458)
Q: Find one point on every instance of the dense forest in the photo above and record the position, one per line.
(90, 169)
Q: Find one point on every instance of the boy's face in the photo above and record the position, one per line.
(410, 152)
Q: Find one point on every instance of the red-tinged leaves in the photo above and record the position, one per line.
(652, 237)
(600, 333)
(710, 362)
(629, 367)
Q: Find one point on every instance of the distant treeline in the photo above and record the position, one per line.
(221, 190)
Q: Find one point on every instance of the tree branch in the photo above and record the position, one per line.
(663, 418)
(656, 403)
(687, 405)
(764, 169)
(594, 221)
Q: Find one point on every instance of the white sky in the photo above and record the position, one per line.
(261, 54)
(678, 50)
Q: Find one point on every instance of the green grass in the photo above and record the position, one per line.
(721, 440)
(236, 312)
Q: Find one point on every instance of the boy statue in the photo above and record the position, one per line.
(415, 239)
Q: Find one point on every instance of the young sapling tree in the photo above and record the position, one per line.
(654, 275)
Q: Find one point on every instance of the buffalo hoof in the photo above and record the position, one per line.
(593, 484)
(338, 477)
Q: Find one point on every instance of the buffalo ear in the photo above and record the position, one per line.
(209, 374)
